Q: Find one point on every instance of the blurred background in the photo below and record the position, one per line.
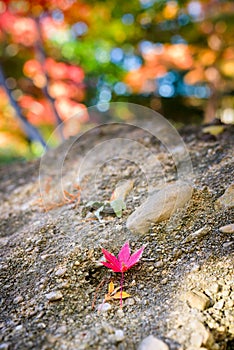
(58, 57)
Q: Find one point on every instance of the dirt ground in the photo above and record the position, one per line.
(52, 281)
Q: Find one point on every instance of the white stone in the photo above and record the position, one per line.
(219, 305)
(119, 335)
(61, 271)
(152, 343)
(53, 296)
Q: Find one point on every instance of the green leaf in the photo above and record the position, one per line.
(118, 205)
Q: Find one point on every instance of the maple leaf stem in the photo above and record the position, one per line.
(121, 289)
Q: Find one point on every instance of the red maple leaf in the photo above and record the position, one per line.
(124, 261)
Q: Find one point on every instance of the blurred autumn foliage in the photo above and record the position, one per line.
(59, 57)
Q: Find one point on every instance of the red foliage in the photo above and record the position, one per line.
(38, 111)
(55, 70)
(37, 5)
(22, 29)
(59, 70)
(68, 108)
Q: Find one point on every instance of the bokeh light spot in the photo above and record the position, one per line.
(166, 90)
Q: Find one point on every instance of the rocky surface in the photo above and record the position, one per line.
(52, 281)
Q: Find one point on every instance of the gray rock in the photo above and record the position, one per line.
(152, 343)
(227, 199)
(53, 296)
(227, 228)
(197, 300)
(159, 206)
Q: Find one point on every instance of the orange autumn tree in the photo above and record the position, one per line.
(43, 90)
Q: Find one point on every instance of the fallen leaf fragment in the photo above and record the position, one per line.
(118, 295)
(114, 293)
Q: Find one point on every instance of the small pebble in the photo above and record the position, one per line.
(219, 305)
(227, 228)
(197, 235)
(19, 328)
(227, 244)
(60, 272)
(159, 263)
(119, 335)
(18, 299)
(104, 307)
(197, 300)
(53, 296)
(212, 288)
(164, 281)
(152, 343)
